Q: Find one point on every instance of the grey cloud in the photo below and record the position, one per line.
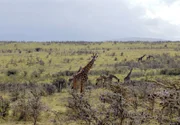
(75, 20)
(162, 28)
(169, 2)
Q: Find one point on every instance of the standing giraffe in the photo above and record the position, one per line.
(81, 77)
(140, 58)
(128, 77)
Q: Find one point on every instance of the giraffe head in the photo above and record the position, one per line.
(94, 56)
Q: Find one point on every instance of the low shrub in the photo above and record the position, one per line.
(170, 72)
(11, 72)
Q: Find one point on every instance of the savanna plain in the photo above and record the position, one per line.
(129, 83)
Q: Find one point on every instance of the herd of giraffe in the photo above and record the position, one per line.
(81, 76)
(147, 58)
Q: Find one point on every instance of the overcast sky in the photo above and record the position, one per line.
(89, 19)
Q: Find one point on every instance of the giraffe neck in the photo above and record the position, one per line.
(129, 73)
(104, 77)
(113, 76)
(88, 66)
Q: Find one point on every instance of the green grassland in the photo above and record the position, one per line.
(70, 56)
(43, 62)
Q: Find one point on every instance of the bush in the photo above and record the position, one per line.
(4, 107)
(38, 49)
(81, 109)
(170, 72)
(20, 109)
(35, 106)
(28, 106)
(60, 83)
(50, 89)
(64, 73)
(11, 72)
(35, 74)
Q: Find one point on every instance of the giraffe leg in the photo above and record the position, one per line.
(110, 81)
(82, 87)
(97, 82)
(74, 84)
(102, 83)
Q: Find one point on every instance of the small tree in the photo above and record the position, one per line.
(81, 109)
(35, 106)
(4, 107)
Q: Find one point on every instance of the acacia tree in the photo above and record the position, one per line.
(35, 105)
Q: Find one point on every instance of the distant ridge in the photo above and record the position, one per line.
(140, 39)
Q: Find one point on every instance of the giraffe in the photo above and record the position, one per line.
(149, 57)
(128, 77)
(110, 77)
(103, 79)
(140, 58)
(80, 78)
